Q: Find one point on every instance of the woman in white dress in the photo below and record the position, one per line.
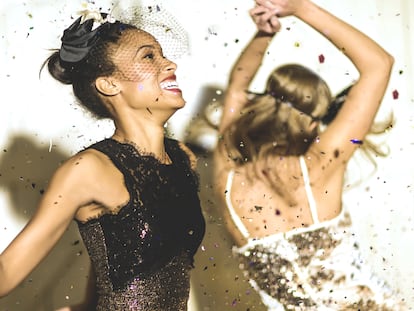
(280, 174)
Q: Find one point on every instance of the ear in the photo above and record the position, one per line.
(107, 86)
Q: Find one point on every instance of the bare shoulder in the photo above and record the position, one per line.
(77, 177)
(86, 163)
(222, 164)
(221, 159)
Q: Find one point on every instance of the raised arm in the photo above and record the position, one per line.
(373, 63)
(249, 61)
(66, 193)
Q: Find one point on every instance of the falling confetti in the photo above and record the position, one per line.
(356, 141)
(321, 58)
(395, 94)
(212, 31)
(258, 208)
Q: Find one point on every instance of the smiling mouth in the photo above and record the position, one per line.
(169, 85)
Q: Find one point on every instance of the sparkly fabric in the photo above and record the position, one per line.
(318, 268)
(315, 268)
(142, 255)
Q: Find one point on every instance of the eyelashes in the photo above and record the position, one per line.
(149, 56)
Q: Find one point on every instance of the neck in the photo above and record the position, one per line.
(145, 141)
(158, 152)
(145, 130)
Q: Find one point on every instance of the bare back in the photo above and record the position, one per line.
(282, 204)
(276, 201)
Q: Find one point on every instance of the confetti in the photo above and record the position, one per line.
(356, 141)
(321, 58)
(395, 94)
(212, 31)
(258, 208)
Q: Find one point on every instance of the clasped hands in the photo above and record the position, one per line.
(266, 13)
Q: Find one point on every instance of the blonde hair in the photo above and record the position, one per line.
(278, 121)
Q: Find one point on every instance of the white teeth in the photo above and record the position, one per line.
(169, 85)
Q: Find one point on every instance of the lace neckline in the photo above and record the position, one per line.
(166, 160)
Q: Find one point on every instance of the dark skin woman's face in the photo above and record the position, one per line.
(148, 78)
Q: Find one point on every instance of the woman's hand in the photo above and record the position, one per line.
(282, 8)
(265, 19)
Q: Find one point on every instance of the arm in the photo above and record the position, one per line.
(66, 193)
(373, 63)
(247, 64)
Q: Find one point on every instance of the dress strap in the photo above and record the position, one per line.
(308, 189)
(236, 219)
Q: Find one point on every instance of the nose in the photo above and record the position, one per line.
(169, 65)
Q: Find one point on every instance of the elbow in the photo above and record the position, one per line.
(389, 61)
(379, 67)
(385, 63)
(3, 282)
(3, 293)
(4, 289)
(5, 286)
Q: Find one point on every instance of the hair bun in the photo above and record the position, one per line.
(56, 69)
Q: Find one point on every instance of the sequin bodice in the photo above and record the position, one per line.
(315, 268)
(142, 255)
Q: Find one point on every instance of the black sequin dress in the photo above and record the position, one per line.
(143, 254)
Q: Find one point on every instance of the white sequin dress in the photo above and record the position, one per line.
(316, 268)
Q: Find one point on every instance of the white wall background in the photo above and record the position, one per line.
(41, 124)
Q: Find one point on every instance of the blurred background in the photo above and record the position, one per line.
(42, 125)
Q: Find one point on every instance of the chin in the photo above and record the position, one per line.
(180, 103)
